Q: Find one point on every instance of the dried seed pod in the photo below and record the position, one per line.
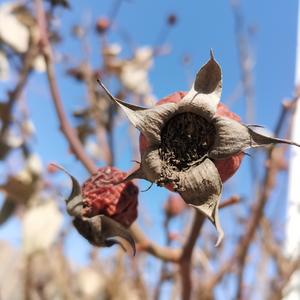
(187, 139)
(103, 210)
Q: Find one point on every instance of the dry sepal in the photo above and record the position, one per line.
(189, 141)
(102, 210)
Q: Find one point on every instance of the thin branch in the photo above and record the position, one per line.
(164, 267)
(164, 253)
(186, 256)
(66, 127)
(230, 201)
(272, 246)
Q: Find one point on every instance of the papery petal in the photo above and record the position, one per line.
(151, 121)
(150, 167)
(152, 164)
(148, 121)
(203, 188)
(102, 231)
(207, 88)
(233, 137)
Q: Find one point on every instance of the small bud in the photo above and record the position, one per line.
(102, 25)
(76, 73)
(52, 168)
(174, 206)
(172, 19)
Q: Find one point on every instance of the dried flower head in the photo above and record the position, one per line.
(226, 167)
(187, 139)
(102, 210)
(102, 25)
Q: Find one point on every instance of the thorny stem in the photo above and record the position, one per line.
(186, 256)
(66, 128)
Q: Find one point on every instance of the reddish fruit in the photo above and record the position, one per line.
(226, 167)
(52, 168)
(174, 236)
(101, 195)
(102, 25)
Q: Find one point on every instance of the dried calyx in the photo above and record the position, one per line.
(187, 141)
(99, 229)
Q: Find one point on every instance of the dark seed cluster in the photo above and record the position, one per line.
(185, 139)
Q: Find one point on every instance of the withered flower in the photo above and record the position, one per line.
(102, 211)
(185, 141)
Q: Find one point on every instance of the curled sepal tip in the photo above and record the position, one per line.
(148, 121)
(211, 211)
(130, 110)
(102, 231)
(258, 139)
(74, 200)
(136, 174)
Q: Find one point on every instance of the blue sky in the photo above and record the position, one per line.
(202, 25)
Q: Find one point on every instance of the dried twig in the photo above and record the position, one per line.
(66, 127)
(186, 256)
